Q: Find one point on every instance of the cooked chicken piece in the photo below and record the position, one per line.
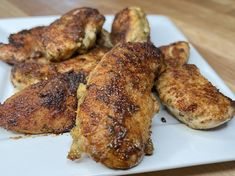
(73, 32)
(175, 54)
(25, 74)
(116, 107)
(23, 46)
(193, 99)
(46, 107)
(130, 25)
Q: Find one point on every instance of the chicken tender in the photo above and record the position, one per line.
(25, 74)
(116, 107)
(74, 32)
(130, 25)
(46, 107)
(175, 54)
(193, 99)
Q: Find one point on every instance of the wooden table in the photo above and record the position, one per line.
(209, 26)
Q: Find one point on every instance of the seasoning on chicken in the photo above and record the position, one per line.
(74, 32)
(116, 107)
(193, 99)
(45, 107)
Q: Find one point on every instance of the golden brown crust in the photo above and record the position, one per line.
(74, 32)
(117, 106)
(25, 74)
(46, 107)
(175, 54)
(193, 99)
(130, 25)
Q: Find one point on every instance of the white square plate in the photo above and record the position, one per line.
(175, 144)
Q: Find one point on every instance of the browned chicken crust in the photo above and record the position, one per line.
(175, 54)
(28, 73)
(73, 32)
(130, 25)
(46, 107)
(25, 74)
(193, 99)
(116, 107)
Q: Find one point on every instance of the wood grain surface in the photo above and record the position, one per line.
(208, 24)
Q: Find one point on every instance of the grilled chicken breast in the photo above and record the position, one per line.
(25, 74)
(193, 99)
(73, 32)
(45, 107)
(130, 25)
(175, 54)
(116, 107)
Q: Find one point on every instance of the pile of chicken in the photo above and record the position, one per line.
(74, 75)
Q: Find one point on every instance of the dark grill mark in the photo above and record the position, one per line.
(68, 86)
(53, 99)
(75, 79)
